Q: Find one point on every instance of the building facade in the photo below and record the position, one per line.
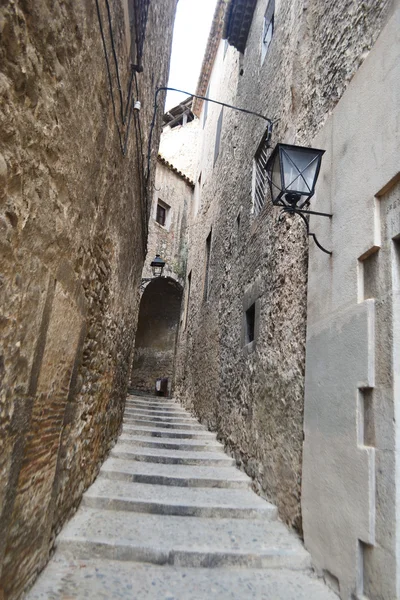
(160, 305)
(73, 221)
(317, 434)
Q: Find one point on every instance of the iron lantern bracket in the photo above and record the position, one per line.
(301, 212)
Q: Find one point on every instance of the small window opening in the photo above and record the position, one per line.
(218, 136)
(226, 46)
(238, 224)
(189, 285)
(260, 175)
(268, 29)
(250, 323)
(162, 213)
(207, 267)
(205, 112)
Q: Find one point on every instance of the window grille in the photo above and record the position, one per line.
(260, 175)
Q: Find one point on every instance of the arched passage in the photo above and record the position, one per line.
(156, 334)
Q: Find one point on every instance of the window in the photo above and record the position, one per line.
(260, 175)
(250, 324)
(268, 29)
(197, 197)
(189, 285)
(218, 136)
(207, 268)
(226, 46)
(162, 213)
(205, 112)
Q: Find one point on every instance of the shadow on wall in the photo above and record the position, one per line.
(156, 336)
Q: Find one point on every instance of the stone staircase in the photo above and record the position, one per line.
(170, 517)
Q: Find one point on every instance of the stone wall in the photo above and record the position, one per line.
(179, 146)
(155, 342)
(253, 395)
(73, 230)
(160, 305)
(175, 191)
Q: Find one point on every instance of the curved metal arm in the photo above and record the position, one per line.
(292, 210)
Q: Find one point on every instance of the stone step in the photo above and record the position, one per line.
(163, 423)
(159, 414)
(182, 541)
(95, 579)
(171, 500)
(171, 457)
(148, 406)
(151, 399)
(171, 443)
(177, 475)
(169, 433)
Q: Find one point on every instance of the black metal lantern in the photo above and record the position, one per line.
(157, 266)
(292, 172)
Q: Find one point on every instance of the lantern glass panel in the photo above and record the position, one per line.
(299, 169)
(276, 177)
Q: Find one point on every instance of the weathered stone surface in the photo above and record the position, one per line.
(159, 313)
(201, 556)
(73, 229)
(160, 305)
(254, 396)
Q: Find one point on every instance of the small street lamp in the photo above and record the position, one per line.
(292, 172)
(157, 267)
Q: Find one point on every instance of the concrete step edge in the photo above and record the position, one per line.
(163, 424)
(170, 508)
(187, 557)
(171, 480)
(170, 433)
(169, 460)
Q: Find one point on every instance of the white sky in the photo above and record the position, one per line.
(192, 27)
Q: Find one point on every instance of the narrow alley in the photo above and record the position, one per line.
(170, 517)
(199, 299)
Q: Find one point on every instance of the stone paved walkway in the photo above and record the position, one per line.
(170, 517)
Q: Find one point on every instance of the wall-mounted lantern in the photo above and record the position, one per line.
(292, 172)
(157, 267)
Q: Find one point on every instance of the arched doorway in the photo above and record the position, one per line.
(156, 335)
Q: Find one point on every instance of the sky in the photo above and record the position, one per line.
(192, 26)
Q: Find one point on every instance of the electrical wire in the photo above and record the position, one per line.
(165, 89)
(127, 110)
(109, 74)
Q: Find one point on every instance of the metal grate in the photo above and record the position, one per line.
(141, 13)
(260, 176)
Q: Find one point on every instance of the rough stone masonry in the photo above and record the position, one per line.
(73, 225)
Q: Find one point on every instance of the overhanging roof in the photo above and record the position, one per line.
(238, 20)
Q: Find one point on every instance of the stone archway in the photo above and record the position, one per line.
(156, 335)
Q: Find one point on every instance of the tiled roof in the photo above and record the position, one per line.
(170, 166)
